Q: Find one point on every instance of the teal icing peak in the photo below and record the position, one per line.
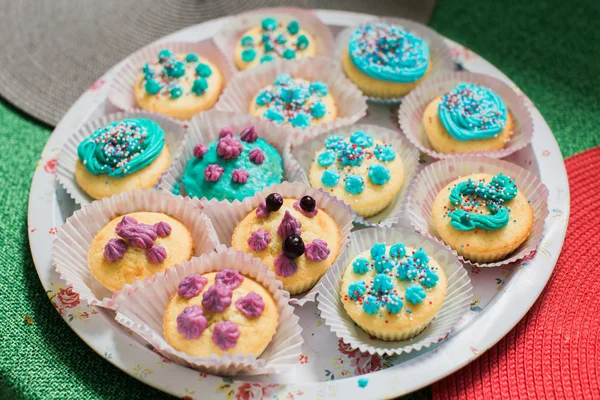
(379, 174)
(330, 177)
(382, 283)
(378, 249)
(354, 184)
(415, 294)
(394, 304)
(398, 250)
(361, 266)
(356, 289)
(326, 158)
(371, 304)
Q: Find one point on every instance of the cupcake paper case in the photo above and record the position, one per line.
(65, 171)
(205, 128)
(456, 303)
(410, 115)
(437, 175)
(441, 57)
(141, 307)
(395, 211)
(228, 216)
(70, 248)
(245, 85)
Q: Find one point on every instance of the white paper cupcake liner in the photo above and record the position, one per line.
(436, 176)
(245, 85)
(304, 155)
(231, 33)
(141, 307)
(456, 303)
(65, 170)
(70, 248)
(441, 56)
(410, 115)
(205, 128)
(227, 216)
(120, 93)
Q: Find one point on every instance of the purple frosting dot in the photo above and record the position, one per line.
(229, 278)
(259, 240)
(227, 131)
(213, 173)
(162, 229)
(317, 250)
(249, 135)
(229, 147)
(137, 235)
(257, 156)
(225, 335)
(191, 322)
(285, 266)
(310, 214)
(251, 305)
(261, 210)
(239, 175)
(115, 249)
(200, 150)
(156, 254)
(289, 226)
(191, 286)
(217, 298)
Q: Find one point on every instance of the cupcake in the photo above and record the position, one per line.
(293, 237)
(294, 102)
(393, 292)
(137, 245)
(386, 60)
(482, 217)
(362, 171)
(121, 156)
(220, 313)
(468, 118)
(273, 40)
(178, 85)
(233, 167)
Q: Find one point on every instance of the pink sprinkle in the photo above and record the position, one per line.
(226, 335)
(200, 150)
(156, 254)
(251, 305)
(162, 229)
(261, 210)
(239, 175)
(213, 173)
(249, 135)
(191, 322)
(191, 286)
(217, 298)
(230, 278)
(289, 226)
(285, 266)
(229, 147)
(115, 249)
(259, 240)
(227, 131)
(317, 250)
(256, 156)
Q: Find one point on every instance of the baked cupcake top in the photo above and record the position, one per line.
(273, 39)
(472, 112)
(219, 313)
(232, 167)
(295, 102)
(122, 147)
(389, 52)
(176, 76)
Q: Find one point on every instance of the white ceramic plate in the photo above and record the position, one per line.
(326, 369)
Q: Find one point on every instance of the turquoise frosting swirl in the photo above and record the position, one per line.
(356, 289)
(361, 266)
(122, 148)
(415, 294)
(472, 112)
(394, 304)
(371, 304)
(389, 52)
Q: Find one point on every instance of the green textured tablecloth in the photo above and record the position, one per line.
(548, 48)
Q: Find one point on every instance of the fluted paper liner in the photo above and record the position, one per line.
(141, 307)
(65, 170)
(244, 86)
(436, 176)
(232, 31)
(304, 154)
(205, 128)
(456, 303)
(70, 248)
(120, 93)
(227, 216)
(410, 115)
(440, 54)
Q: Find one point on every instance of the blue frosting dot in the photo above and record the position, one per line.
(371, 305)
(269, 24)
(293, 27)
(301, 120)
(267, 45)
(361, 266)
(379, 174)
(354, 184)
(398, 250)
(286, 93)
(289, 54)
(274, 115)
(430, 278)
(360, 138)
(382, 283)
(176, 92)
(382, 263)
(200, 85)
(356, 289)
(349, 154)
(264, 98)
(421, 256)
(326, 158)
(407, 270)
(299, 95)
(384, 153)
(330, 177)
(248, 55)
(176, 70)
(283, 79)
(415, 294)
(247, 41)
(164, 54)
(147, 70)
(318, 110)
(302, 42)
(152, 87)
(191, 57)
(318, 88)
(378, 249)
(266, 58)
(394, 304)
(281, 39)
(333, 140)
(203, 70)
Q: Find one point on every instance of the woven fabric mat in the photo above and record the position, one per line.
(52, 51)
(553, 352)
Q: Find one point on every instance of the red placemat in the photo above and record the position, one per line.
(554, 352)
